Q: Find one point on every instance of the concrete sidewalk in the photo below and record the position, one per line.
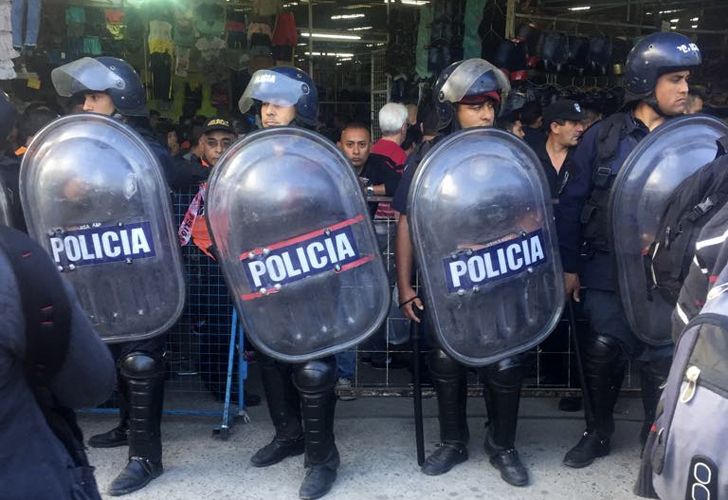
(375, 437)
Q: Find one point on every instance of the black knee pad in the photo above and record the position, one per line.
(315, 376)
(508, 372)
(444, 366)
(141, 365)
(603, 349)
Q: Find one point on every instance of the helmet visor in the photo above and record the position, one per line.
(468, 73)
(275, 88)
(85, 74)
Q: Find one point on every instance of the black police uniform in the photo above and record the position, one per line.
(502, 390)
(582, 228)
(141, 374)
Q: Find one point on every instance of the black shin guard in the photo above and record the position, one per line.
(284, 404)
(316, 380)
(143, 374)
(604, 367)
(449, 379)
(502, 392)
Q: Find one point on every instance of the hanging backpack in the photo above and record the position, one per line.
(685, 455)
(688, 209)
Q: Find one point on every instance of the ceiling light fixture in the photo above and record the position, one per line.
(330, 36)
(347, 16)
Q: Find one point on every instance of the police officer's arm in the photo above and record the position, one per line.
(88, 375)
(404, 259)
(404, 252)
(568, 210)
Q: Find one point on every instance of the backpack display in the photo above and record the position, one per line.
(685, 455)
(689, 208)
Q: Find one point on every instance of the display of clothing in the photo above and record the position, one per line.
(7, 52)
(210, 47)
(160, 66)
(26, 22)
(115, 23)
(210, 20)
(160, 38)
(182, 61)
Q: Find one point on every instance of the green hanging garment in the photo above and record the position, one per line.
(423, 40)
(472, 45)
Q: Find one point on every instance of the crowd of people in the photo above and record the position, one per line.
(567, 139)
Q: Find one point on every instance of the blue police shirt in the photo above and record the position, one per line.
(597, 271)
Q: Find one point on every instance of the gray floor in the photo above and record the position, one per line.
(375, 439)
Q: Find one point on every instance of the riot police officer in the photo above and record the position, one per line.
(657, 72)
(467, 98)
(301, 399)
(110, 86)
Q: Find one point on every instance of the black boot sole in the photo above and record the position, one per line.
(505, 476)
(136, 487)
(586, 463)
(114, 444)
(448, 468)
(292, 453)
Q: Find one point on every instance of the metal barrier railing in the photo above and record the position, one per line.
(206, 369)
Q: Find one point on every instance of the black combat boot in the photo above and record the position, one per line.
(604, 367)
(316, 380)
(284, 407)
(118, 436)
(449, 379)
(502, 392)
(144, 376)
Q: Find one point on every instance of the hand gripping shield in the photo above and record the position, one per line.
(484, 238)
(95, 198)
(659, 163)
(295, 243)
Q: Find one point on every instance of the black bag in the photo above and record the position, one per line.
(47, 315)
(689, 208)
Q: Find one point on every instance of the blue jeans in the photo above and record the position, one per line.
(26, 13)
(345, 364)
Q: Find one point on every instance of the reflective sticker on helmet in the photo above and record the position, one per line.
(687, 48)
(333, 248)
(265, 78)
(467, 269)
(96, 244)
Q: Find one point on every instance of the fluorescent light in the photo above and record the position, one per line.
(673, 27)
(409, 2)
(330, 54)
(694, 26)
(347, 16)
(360, 28)
(695, 19)
(671, 11)
(331, 36)
(674, 20)
(585, 7)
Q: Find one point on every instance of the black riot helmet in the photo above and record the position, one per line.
(469, 82)
(284, 86)
(655, 55)
(112, 75)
